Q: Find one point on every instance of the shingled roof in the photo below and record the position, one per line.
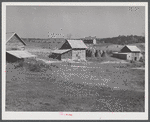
(77, 44)
(21, 54)
(132, 48)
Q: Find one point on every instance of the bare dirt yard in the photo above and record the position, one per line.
(107, 87)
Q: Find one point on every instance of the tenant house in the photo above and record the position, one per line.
(71, 50)
(129, 52)
(15, 48)
(89, 40)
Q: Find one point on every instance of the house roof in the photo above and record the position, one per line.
(133, 48)
(77, 44)
(60, 51)
(9, 35)
(21, 54)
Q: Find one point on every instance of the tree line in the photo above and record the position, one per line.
(123, 40)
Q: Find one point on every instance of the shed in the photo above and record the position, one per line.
(72, 49)
(129, 52)
(17, 55)
(14, 42)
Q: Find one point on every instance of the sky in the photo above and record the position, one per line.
(77, 21)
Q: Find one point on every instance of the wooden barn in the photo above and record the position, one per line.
(14, 42)
(71, 50)
(129, 52)
(15, 48)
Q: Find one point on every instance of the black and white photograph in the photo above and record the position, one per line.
(75, 61)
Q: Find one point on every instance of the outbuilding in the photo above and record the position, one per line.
(129, 52)
(15, 48)
(71, 50)
(89, 41)
(14, 42)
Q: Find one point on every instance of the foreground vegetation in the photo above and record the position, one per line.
(36, 86)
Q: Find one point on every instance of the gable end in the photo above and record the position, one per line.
(66, 45)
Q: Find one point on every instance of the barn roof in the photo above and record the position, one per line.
(133, 48)
(21, 54)
(77, 44)
(9, 35)
(60, 51)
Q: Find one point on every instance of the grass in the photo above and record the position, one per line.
(62, 87)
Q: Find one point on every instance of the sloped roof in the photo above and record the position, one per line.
(77, 44)
(21, 54)
(9, 35)
(60, 51)
(133, 48)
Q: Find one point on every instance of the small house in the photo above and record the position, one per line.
(129, 52)
(71, 50)
(89, 40)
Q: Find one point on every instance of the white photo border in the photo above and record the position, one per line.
(75, 115)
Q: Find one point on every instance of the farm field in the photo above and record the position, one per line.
(75, 87)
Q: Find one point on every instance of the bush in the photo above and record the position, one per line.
(34, 65)
(109, 52)
(141, 60)
(19, 64)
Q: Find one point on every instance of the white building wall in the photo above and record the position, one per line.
(78, 55)
(94, 41)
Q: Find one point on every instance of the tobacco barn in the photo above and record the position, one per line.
(71, 50)
(15, 48)
(129, 52)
